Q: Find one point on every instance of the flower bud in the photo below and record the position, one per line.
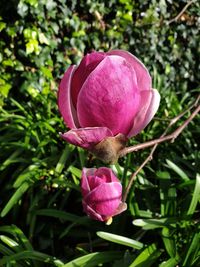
(102, 194)
(105, 95)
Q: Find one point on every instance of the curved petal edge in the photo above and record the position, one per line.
(150, 100)
(142, 74)
(86, 137)
(64, 99)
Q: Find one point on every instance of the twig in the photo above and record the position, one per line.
(163, 138)
(181, 13)
(99, 17)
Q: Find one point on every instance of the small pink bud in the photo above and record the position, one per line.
(102, 194)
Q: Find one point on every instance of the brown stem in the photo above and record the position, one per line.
(181, 13)
(155, 143)
(163, 137)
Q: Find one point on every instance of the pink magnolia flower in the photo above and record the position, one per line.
(105, 95)
(102, 193)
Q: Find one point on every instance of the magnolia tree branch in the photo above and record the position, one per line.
(182, 12)
(155, 142)
(165, 137)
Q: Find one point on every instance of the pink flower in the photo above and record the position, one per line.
(105, 95)
(102, 193)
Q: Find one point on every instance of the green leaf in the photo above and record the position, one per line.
(9, 241)
(167, 195)
(18, 234)
(81, 221)
(169, 263)
(31, 255)
(196, 196)
(61, 163)
(4, 250)
(26, 175)
(180, 172)
(147, 257)
(169, 242)
(62, 215)
(154, 223)
(192, 250)
(93, 259)
(75, 171)
(122, 240)
(15, 198)
(11, 159)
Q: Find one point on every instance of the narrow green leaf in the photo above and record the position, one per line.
(15, 198)
(196, 196)
(25, 175)
(93, 259)
(147, 257)
(175, 168)
(122, 240)
(169, 242)
(12, 158)
(169, 263)
(62, 215)
(18, 234)
(8, 241)
(82, 157)
(145, 213)
(192, 251)
(75, 171)
(61, 163)
(81, 221)
(117, 168)
(31, 255)
(154, 223)
(5, 251)
(19, 106)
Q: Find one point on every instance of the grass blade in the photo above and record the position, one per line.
(176, 169)
(147, 257)
(31, 255)
(62, 215)
(122, 240)
(192, 251)
(93, 259)
(169, 263)
(169, 242)
(18, 234)
(15, 198)
(196, 196)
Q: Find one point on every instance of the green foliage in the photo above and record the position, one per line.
(42, 222)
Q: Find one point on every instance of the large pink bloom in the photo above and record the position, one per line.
(102, 193)
(106, 94)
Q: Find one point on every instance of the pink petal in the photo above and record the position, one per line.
(105, 199)
(101, 175)
(95, 181)
(142, 74)
(86, 137)
(64, 99)
(87, 65)
(90, 212)
(109, 97)
(150, 101)
(85, 186)
(108, 173)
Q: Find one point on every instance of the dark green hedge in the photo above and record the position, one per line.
(39, 39)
